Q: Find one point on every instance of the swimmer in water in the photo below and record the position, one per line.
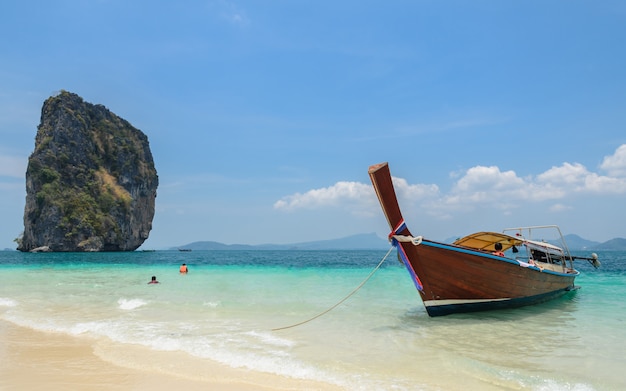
(153, 281)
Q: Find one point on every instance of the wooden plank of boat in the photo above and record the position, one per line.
(466, 276)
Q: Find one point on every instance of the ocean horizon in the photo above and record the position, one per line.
(274, 312)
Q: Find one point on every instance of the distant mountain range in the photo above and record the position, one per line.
(355, 242)
(372, 241)
(575, 242)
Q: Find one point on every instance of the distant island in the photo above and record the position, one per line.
(372, 241)
(369, 241)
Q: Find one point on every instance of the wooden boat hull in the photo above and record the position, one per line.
(453, 279)
(457, 280)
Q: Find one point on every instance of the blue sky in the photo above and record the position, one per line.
(264, 116)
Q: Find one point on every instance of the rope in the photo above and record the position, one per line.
(342, 300)
(416, 240)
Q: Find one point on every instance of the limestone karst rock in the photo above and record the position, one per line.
(90, 183)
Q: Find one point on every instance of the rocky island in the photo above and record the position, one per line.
(90, 183)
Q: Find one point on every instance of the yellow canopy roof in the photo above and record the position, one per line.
(487, 240)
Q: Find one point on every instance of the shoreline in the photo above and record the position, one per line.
(37, 360)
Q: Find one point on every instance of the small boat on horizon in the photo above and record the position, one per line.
(481, 271)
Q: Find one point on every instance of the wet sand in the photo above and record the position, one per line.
(33, 360)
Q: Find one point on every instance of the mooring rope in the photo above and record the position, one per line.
(342, 300)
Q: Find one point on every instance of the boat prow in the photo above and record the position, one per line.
(482, 271)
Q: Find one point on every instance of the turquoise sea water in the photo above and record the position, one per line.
(228, 307)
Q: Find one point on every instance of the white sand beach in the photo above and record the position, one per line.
(33, 360)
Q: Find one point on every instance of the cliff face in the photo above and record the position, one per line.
(90, 182)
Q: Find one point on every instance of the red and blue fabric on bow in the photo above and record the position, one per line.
(400, 228)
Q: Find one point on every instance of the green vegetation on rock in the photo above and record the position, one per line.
(90, 183)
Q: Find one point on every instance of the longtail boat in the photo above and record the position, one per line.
(481, 271)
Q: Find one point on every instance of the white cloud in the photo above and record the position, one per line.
(478, 186)
(570, 175)
(478, 179)
(576, 178)
(604, 184)
(354, 195)
(414, 192)
(615, 165)
(489, 185)
(334, 195)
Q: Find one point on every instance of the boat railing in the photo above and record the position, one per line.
(529, 233)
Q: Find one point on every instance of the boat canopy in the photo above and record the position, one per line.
(544, 247)
(486, 241)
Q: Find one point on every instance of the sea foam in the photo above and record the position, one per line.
(131, 304)
(4, 302)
